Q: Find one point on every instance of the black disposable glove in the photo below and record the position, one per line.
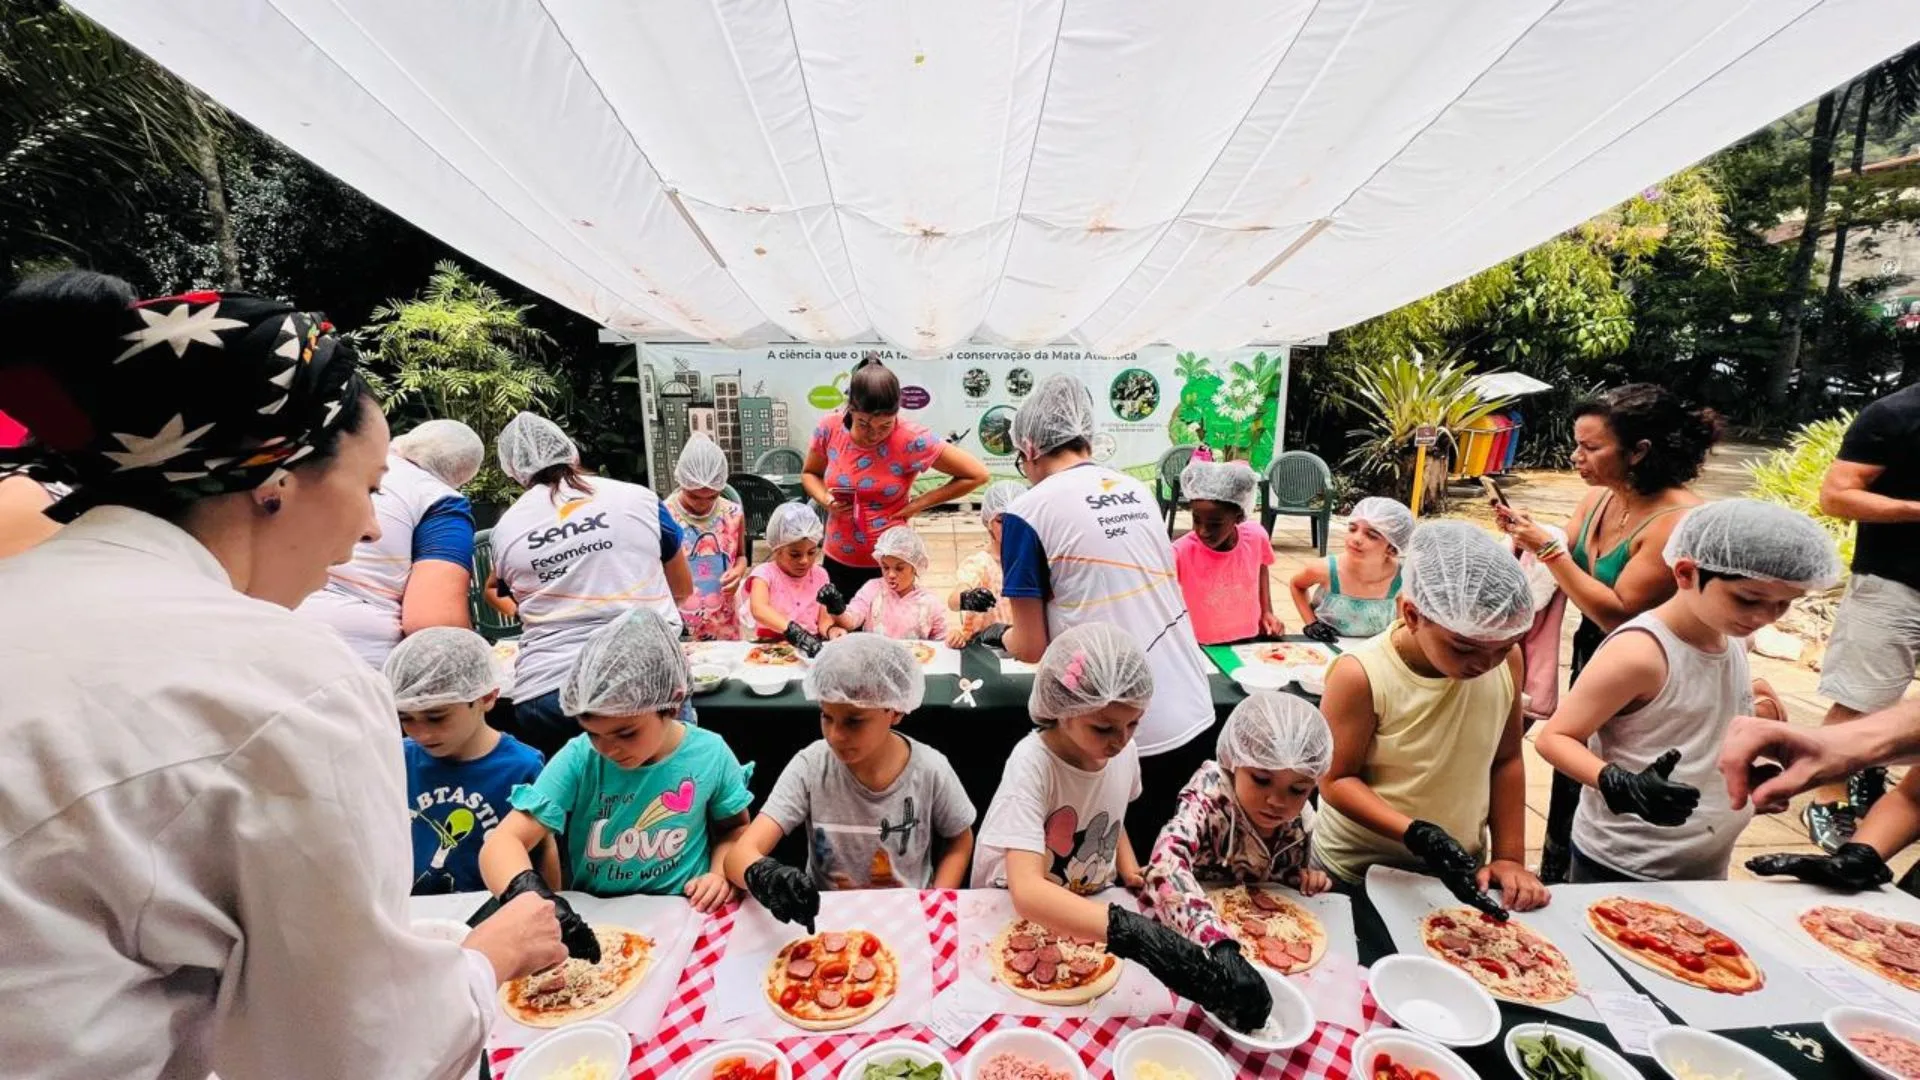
(1219, 980)
(1321, 632)
(802, 638)
(994, 636)
(788, 893)
(1449, 862)
(1648, 793)
(575, 934)
(831, 598)
(976, 601)
(1854, 868)
(500, 589)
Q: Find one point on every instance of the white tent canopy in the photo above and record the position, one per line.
(1105, 172)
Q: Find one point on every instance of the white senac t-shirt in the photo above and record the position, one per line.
(575, 562)
(1071, 815)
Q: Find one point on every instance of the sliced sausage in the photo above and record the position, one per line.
(1522, 960)
(1893, 958)
(1022, 943)
(1050, 954)
(829, 999)
(1253, 928)
(1843, 926)
(1273, 953)
(801, 969)
(1454, 943)
(1083, 966)
(1261, 900)
(1023, 962)
(1298, 951)
(1694, 926)
(833, 942)
(864, 971)
(1044, 973)
(551, 984)
(1908, 929)
(1872, 924)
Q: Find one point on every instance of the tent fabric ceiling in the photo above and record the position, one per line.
(1104, 172)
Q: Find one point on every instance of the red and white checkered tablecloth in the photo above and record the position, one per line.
(659, 1055)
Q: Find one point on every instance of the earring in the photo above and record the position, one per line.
(271, 504)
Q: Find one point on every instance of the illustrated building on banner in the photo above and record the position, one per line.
(702, 421)
(675, 406)
(756, 429)
(674, 428)
(726, 407)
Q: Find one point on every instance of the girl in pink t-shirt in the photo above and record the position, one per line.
(782, 597)
(896, 605)
(1223, 562)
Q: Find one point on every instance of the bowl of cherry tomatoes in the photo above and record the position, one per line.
(738, 1059)
(1386, 1054)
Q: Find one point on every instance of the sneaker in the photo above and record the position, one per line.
(1865, 787)
(1830, 825)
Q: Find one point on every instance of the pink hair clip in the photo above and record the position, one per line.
(1070, 678)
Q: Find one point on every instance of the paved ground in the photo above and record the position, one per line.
(1550, 496)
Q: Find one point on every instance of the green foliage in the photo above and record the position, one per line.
(1235, 412)
(1394, 396)
(1791, 476)
(462, 352)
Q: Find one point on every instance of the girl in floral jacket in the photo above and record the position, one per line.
(1243, 818)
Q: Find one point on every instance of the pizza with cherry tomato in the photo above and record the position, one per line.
(576, 990)
(832, 980)
(1511, 961)
(1675, 944)
(1890, 948)
(1271, 928)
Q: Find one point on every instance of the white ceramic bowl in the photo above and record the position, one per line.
(1605, 1064)
(765, 681)
(1845, 1021)
(893, 1050)
(1705, 1052)
(442, 929)
(1291, 1010)
(598, 1041)
(708, 677)
(1435, 999)
(1254, 678)
(1172, 1047)
(1410, 1050)
(1031, 1043)
(700, 1066)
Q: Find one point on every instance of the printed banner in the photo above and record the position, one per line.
(755, 400)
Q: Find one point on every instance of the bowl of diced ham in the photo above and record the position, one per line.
(1023, 1053)
(1885, 1045)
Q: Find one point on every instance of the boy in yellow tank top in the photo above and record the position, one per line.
(1427, 773)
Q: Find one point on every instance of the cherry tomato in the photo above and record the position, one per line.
(860, 999)
(1492, 965)
(789, 997)
(1443, 922)
(1426, 1074)
(1634, 939)
(729, 1069)
(769, 1071)
(1488, 919)
(1382, 1067)
(1692, 963)
(1720, 946)
(869, 946)
(834, 973)
(1611, 915)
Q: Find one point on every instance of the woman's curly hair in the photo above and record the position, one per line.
(1677, 435)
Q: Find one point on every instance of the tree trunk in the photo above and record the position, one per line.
(206, 162)
(1830, 306)
(1793, 312)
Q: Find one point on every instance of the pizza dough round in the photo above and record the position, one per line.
(1870, 944)
(612, 941)
(773, 982)
(1498, 940)
(997, 951)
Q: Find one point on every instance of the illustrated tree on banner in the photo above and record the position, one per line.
(1236, 415)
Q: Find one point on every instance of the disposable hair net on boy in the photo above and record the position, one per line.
(1461, 578)
(1088, 668)
(1274, 732)
(903, 543)
(999, 495)
(1388, 517)
(631, 665)
(793, 522)
(702, 464)
(448, 449)
(441, 665)
(1752, 539)
(1057, 412)
(531, 443)
(1220, 481)
(867, 671)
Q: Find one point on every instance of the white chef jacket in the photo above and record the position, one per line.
(204, 850)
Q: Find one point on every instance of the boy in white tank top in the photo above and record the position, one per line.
(1642, 728)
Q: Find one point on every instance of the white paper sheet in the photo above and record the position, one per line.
(985, 912)
(1788, 997)
(1337, 983)
(1780, 903)
(1010, 666)
(1403, 898)
(670, 921)
(738, 1008)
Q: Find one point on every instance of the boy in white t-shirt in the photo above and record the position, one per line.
(1643, 726)
(1055, 833)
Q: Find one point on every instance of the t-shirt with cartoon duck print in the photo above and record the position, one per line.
(1070, 815)
(879, 477)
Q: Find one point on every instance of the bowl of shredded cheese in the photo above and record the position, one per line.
(1167, 1054)
(1691, 1054)
(1291, 1022)
(588, 1050)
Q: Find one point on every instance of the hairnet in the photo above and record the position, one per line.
(1459, 577)
(903, 543)
(1057, 412)
(1220, 481)
(702, 464)
(791, 522)
(441, 665)
(531, 443)
(867, 671)
(1087, 668)
(1276, 731)
(631, 665)
(448, 449)
(1753, 539)
(998, 496)
(1388, 517)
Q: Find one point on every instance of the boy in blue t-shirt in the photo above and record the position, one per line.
(459, 770)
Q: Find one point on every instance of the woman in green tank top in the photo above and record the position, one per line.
(1638, 446)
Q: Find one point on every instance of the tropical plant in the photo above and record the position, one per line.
(1792, 475)
(1397, 396)
(1235, 412)
(462, 352)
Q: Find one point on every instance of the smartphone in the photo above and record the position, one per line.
(1492, 488)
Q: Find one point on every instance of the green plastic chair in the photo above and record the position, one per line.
(780, 461)
(1299, 484)
(1166, 480)
(487, 622)
(757, 496)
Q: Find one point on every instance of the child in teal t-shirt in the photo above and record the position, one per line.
(647, 803)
